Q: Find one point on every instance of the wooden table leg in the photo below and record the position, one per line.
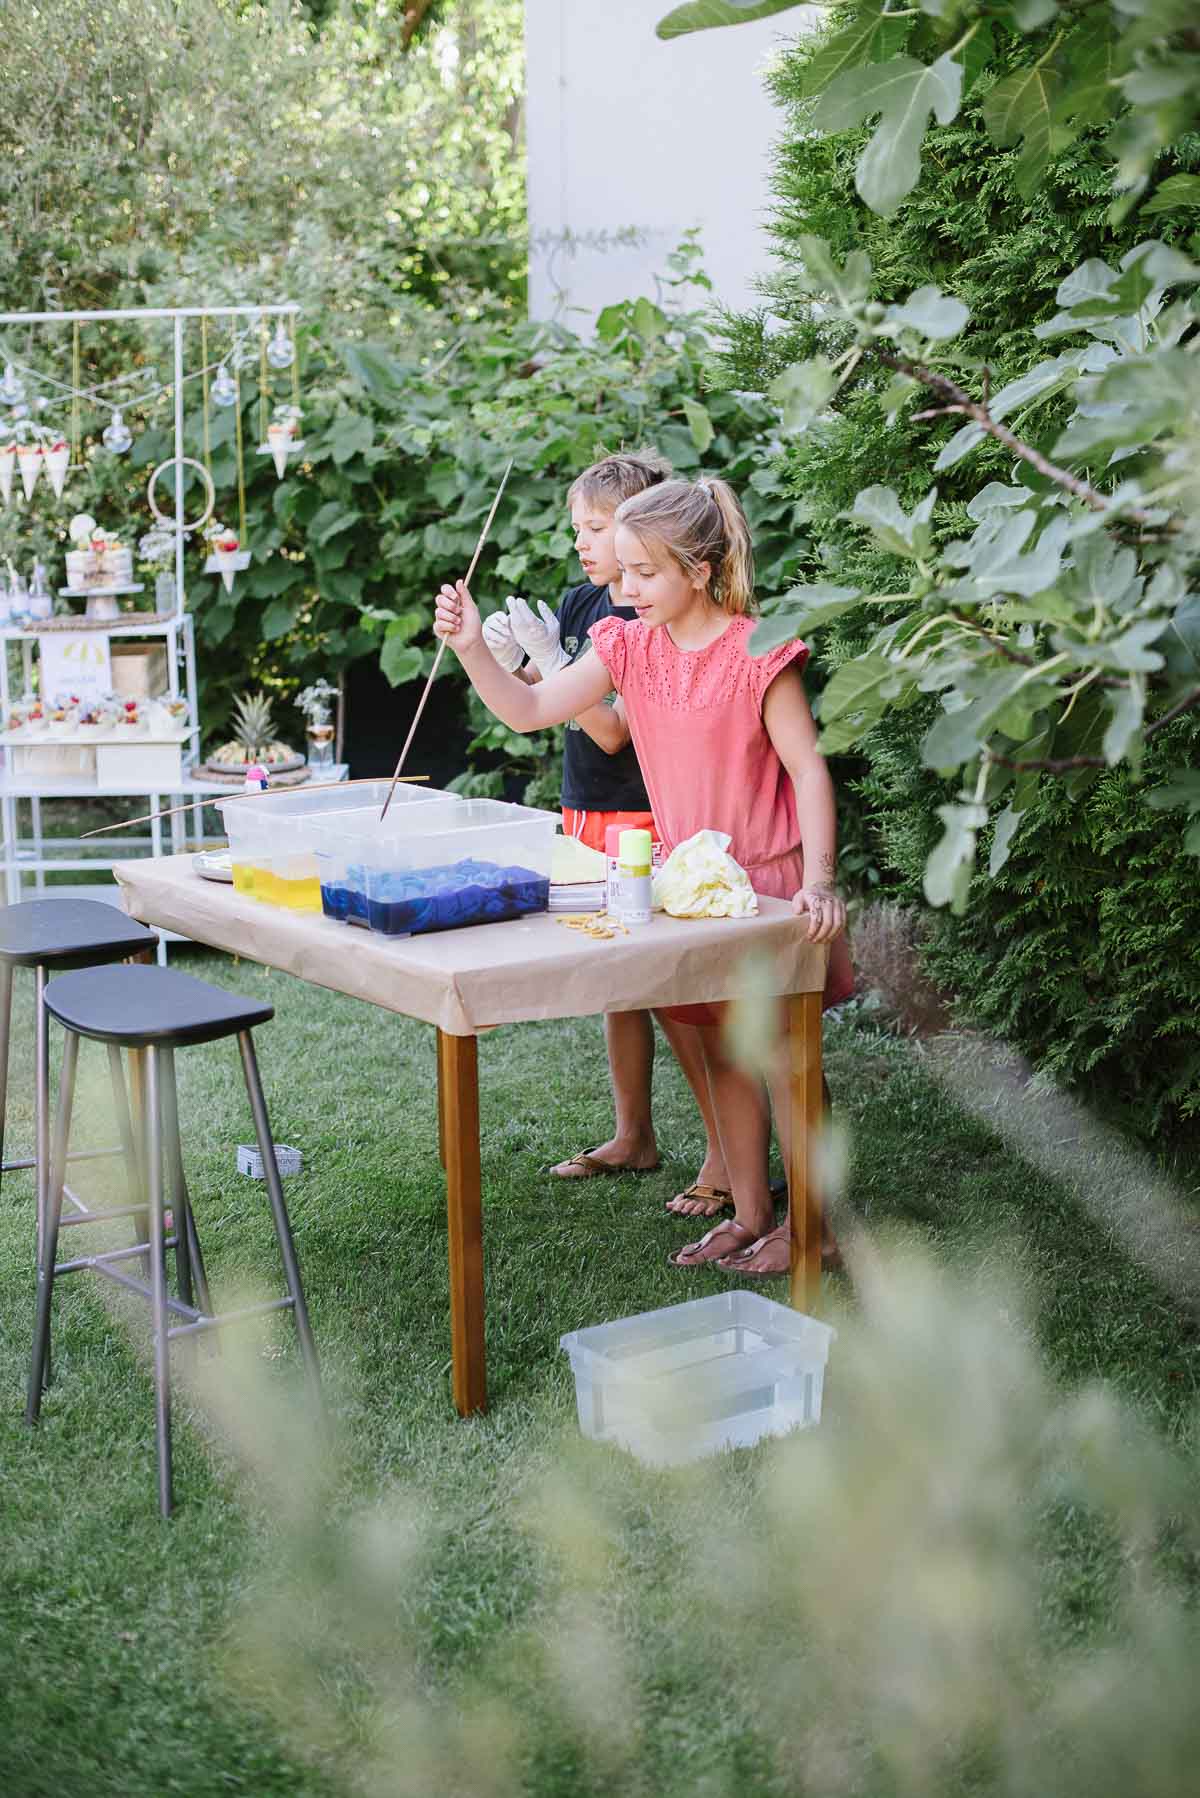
(458, 1060)
(441, 1097)
(804, 1086)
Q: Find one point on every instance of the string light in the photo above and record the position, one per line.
(224, 388)
(12, 387)
(117, 436)
(281, 351)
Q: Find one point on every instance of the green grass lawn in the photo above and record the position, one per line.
(122, 1640)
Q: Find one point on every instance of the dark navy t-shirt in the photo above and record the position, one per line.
(594, 781)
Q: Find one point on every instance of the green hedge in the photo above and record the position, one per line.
(1079, 952)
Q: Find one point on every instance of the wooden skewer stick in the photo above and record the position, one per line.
(226, 798)
(412, 729)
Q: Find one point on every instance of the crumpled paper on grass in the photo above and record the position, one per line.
(699, 879)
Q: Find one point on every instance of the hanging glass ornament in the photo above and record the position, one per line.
(281, 351)
(224, 388)
(8, 468)
(12, 387)
(117, 436)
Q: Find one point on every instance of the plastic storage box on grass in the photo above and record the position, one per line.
(272, 836)
(475, 861)
(674, 1385)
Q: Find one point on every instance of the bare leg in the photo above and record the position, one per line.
(688, 1048)
(772, 1253)
(630, 1038)
(743, 1125)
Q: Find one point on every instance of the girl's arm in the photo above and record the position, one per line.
(606, 725)
(789, 724)
(565, 695)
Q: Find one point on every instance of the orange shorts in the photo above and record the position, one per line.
(589, 827)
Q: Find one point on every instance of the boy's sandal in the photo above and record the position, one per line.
(692, 1256)
(589, 1167)
(715, 1200)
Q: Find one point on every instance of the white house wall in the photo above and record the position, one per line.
(626, 131)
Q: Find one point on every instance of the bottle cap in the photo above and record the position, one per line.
(634, 848)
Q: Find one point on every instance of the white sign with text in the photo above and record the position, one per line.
(75, 662)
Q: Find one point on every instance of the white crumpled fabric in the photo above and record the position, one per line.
(700, 880)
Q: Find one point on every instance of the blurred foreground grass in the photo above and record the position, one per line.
(978, 1576)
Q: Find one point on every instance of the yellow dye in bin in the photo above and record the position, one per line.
(303, 894)
(243, 879)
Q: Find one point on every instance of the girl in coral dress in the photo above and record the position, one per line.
(726, 742)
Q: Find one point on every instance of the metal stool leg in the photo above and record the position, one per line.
(188, 1255)
(283, 1228)
(41, 1104)
(39, 1370)
(158, 1282)
(133, 1162)
(6, 983)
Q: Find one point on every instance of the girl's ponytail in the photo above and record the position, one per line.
(694, 523)
(733, 585)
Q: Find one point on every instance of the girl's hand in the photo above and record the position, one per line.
(456, 618)
(826, 912)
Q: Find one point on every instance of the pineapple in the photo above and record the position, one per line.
(252, 740)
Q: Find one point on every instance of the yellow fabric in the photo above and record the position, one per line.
(700, 880)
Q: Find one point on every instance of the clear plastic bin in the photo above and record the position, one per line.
(478, 861)
(689, 1380)
(272, 836)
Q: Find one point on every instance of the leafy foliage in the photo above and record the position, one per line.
(1038, 605)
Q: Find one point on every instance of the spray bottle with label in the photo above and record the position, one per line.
(634, 885)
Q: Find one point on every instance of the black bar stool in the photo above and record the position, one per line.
(50, 936)
(158, 1010)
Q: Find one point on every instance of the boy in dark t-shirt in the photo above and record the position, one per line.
(603, 786)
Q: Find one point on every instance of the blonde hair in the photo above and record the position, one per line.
(695, 522)
(620, 477)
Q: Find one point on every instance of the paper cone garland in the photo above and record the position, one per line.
(57, 459)
(29, 461)
(8, 463)
(282, 443)
(227, 563)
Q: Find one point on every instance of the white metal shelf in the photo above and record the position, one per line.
(125, 626)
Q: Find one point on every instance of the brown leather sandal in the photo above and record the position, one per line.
(692, 1249)
(714, 1198)
(591, 1168)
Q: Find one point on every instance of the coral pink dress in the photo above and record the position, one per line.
(696, 721)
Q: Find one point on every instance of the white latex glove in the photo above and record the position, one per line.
(538, 637)
(498, 635)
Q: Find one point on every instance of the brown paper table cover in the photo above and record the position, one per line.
(487, 974)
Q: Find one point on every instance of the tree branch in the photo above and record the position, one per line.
(1064, 764)
(960, 401)
(414, 14)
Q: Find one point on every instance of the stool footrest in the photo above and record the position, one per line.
(231, 1317)
(100, 1217)
(100, 1263)
(12, 1167)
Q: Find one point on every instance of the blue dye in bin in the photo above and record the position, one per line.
(448, 898)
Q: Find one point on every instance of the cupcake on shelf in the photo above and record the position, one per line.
(35, 718)
(92, 719)
(171, 712)
(63, 713)
(130, 719)
(18, 713)
(29, 461)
